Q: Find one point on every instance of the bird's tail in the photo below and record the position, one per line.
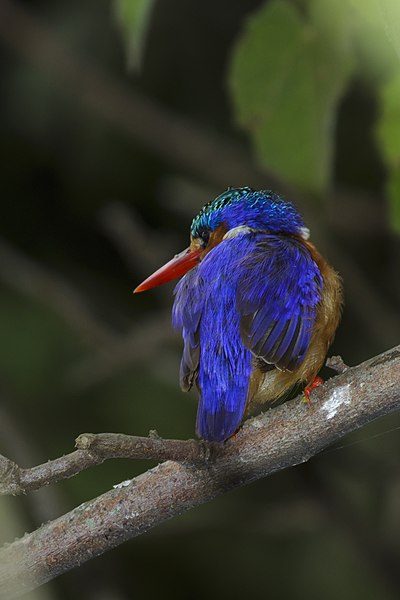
(218, 423)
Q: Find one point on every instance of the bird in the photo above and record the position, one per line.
(258, 307)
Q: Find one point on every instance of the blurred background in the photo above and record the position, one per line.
(119, 120)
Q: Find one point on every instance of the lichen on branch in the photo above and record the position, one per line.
(279, 438)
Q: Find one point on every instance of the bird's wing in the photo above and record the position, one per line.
(277, 296)
(225, 365)
(214, 356)
(252, 294)
(186, 314)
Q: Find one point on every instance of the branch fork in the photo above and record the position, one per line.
(193, 472)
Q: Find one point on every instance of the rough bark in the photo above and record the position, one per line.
(279, 438)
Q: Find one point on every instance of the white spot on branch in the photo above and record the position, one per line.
(339, 396)
(122, 484)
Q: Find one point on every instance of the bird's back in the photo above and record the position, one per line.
(258, 314)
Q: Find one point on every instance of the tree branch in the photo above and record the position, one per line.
(94, 449)
(336, 364)
(282, 437)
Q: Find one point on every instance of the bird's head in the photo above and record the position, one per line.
(235, 212)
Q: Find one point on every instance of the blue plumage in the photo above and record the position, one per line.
(253, 295)
(223, 364)
(264, 210)
(278, 293)
(258, 306)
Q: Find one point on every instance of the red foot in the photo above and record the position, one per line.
(309, 388)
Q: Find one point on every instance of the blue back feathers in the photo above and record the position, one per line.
(253, 295)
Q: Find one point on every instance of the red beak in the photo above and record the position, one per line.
(179, 265)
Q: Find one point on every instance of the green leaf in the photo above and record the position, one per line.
(133, 16)
(375, 36)
(391, 18)
(388, 136)
(287, 76)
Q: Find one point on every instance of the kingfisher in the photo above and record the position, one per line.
(258, 307)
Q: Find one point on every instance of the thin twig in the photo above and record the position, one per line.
(118, 445)
(93, 449)
(17, 442)
(336, 363)
(282, 437)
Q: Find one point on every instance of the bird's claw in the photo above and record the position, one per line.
(317, 381)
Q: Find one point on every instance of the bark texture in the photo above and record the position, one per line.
(279, 438)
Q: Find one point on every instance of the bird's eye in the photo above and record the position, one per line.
(204, 236)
